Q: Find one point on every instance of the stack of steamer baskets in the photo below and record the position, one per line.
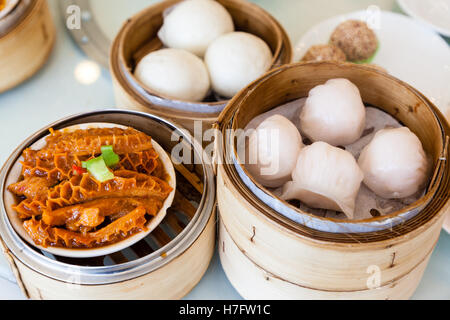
(27, 35)
(166, 264)
(272, 250)
(138, 37)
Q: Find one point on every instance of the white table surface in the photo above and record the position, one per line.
(55, 93)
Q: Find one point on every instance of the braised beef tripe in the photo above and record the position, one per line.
(63, 204)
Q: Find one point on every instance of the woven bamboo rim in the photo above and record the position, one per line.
(434, 209)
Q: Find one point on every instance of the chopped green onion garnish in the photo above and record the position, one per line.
(84, 164)
(98, 169)
(110, 157)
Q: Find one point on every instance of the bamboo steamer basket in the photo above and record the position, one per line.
(267, 255)
(27, 36)
(166, 264)
(138, 37)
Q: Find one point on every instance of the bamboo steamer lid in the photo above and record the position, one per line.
(138, 37)
(308, 262)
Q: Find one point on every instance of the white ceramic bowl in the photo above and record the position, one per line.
(17, 223)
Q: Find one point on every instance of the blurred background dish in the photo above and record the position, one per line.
(401, 51)
(434, 13)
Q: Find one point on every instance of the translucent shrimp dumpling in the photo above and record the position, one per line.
(334, 113)
(394, 163)
(273, 148)
(325, 177)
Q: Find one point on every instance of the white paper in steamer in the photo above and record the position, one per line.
(366, 200)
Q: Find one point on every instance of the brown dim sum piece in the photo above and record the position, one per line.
(120, 229)
(356, 40)
(324, 52)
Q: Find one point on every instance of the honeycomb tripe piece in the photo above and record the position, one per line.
(120, 229)
(31, 207)
(60, 166)
(88, 214)
(126, 183)
(32, 187)
(142, 162)
(86, 142)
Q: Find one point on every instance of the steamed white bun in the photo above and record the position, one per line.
(325, 177)
(394, 163)
(273, 149)
(193, 24)
(174, 73)
(236, 59)
(334, 113)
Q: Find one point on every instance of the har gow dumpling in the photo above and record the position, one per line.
(325, 177)
(334, 113)
(394, 163)
(273, 148)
